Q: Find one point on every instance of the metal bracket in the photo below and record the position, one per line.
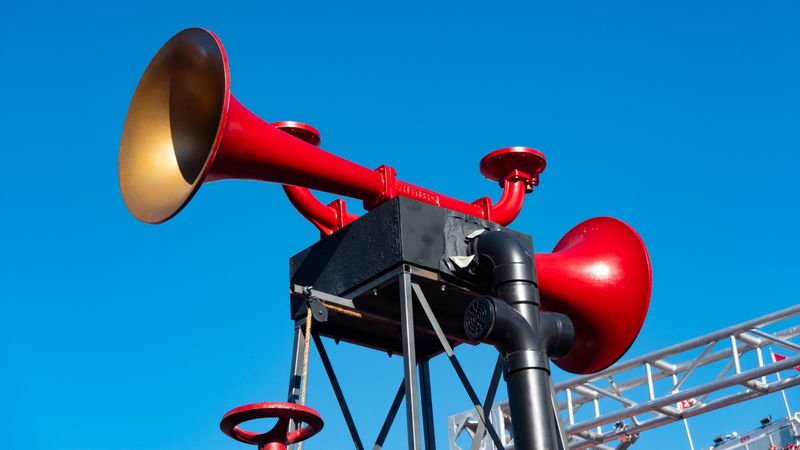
(318, 310)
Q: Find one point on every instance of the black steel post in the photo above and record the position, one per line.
(409, 360)
(427, 405)
(296, 371)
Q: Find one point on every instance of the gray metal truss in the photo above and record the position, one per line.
(719, 369)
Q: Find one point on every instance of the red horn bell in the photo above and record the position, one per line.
(599, 276)
(184, 128)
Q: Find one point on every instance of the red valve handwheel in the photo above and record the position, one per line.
(279, 436)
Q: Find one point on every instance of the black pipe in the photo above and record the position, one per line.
(493, 321)
(521, 334)
(558, 333)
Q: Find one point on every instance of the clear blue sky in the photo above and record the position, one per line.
(680, 118)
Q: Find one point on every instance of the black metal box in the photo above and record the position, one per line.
(362, 262)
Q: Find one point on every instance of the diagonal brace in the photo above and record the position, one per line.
(487, 404)
(337, 389)
(387, 424)
(456, 365)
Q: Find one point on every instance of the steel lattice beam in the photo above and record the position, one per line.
(703, 374)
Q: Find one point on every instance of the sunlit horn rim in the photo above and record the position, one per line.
(600, 276)
(174, 125)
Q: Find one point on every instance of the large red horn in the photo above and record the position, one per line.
(599, 276)
(184, 128)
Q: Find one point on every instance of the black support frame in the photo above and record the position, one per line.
(415, 387)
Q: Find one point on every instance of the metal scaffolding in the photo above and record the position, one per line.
(713, 371)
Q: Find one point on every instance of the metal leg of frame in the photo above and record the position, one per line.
(337, 389)
(409, 360)
(487, 404)
(387, 424)
(427, 405)
(456, 365)
(296, 370)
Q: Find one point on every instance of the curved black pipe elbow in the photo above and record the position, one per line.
(493, 321)
(503, 261)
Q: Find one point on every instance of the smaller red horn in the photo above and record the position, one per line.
(599, 276)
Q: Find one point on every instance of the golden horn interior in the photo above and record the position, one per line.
(172, 125)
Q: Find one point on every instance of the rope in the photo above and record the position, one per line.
(345, 311)
(306, 343)
(305, 357)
